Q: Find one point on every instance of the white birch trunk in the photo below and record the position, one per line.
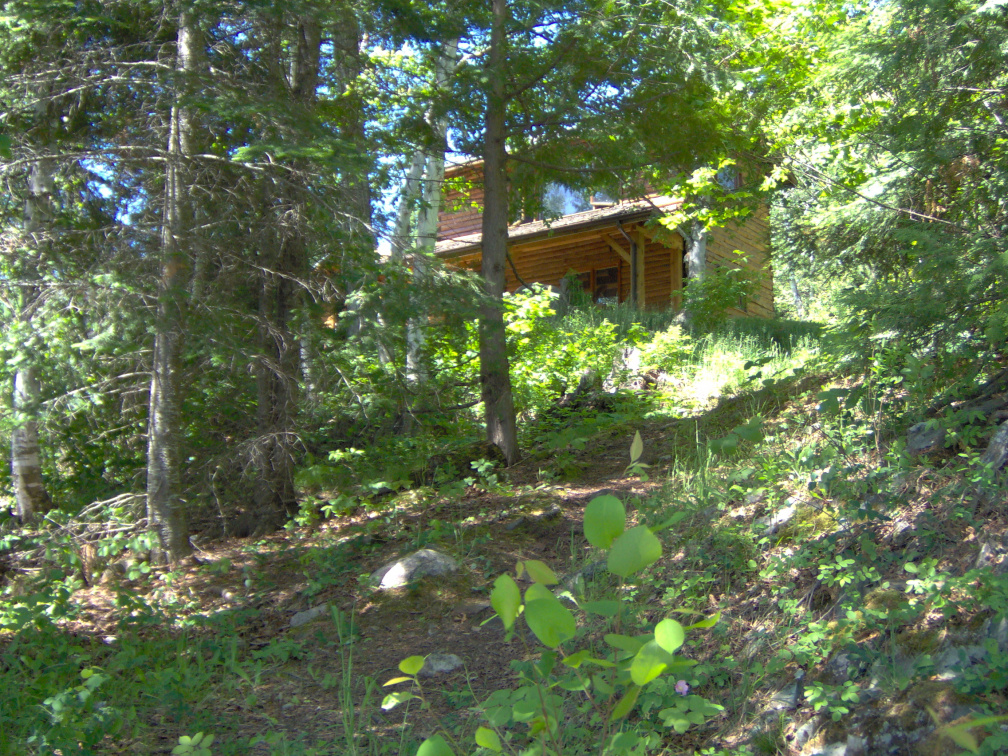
(696, 251)
(427, 220)
(31, 497)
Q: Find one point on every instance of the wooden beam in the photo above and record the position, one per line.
(641, 266)
(615, 247)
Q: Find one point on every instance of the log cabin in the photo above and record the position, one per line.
(614, 248)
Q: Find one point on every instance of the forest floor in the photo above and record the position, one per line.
(267, 687)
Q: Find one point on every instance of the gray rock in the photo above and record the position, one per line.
(950, 662)
(303, 618)
(856, 745)
(440, 664)
(924, 439)
(806, 732)
(830, 749)
(419, 564)
(997, 631)
(778, 519)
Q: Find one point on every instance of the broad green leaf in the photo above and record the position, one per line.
(540, 573)
(625, 642)
(506, 600)
(550, 620)
(751, 431)
(623, 742)
(636, 448)
(574, 660)
(633, 551)
(604, 520)
(626, 703)
(435, 746)
(604, 607)
(488, 739)
(411, 665)
(670, 635)
(675, 719)
(726, 445)
(394, 699)
(649, 662)
(704, 623)
(396, 681)
(574, 684)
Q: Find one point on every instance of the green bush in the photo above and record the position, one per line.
(624, 673)
(669, 350)
(725, 288)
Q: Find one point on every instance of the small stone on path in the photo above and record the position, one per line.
(440, 664)
(303, 618)
(422, 563)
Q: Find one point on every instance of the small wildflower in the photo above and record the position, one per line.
(681, 688)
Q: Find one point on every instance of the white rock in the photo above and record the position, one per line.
(440, 664)
(422, 563)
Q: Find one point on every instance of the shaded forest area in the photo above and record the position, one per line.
(238, 381)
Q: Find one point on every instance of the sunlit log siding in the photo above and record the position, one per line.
(595, 243)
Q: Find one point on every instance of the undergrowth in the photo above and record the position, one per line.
(792, 530)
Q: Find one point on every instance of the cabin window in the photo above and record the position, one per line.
(601, 284)
(560, 200)
(606, 285)
(729, 178)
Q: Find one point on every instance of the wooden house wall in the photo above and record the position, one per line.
(750, 237)
(461, 213)
(549, 259)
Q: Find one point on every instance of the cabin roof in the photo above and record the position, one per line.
(532, 230)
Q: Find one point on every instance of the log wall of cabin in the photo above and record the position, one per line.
(461, 206)
(750, 237)
(548, 260)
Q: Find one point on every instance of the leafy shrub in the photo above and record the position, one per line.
(546, 358)
(725, 288)
(669, 350)
(635, 670)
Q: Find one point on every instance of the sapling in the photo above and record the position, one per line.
(603, 688)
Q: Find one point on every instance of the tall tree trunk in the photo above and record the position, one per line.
(796, 296)
(348, 41)
(495, 378)
(427, 219)
(165, 506)
(696, 257)
(31, 497)
(696, 251)
(280, 298)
